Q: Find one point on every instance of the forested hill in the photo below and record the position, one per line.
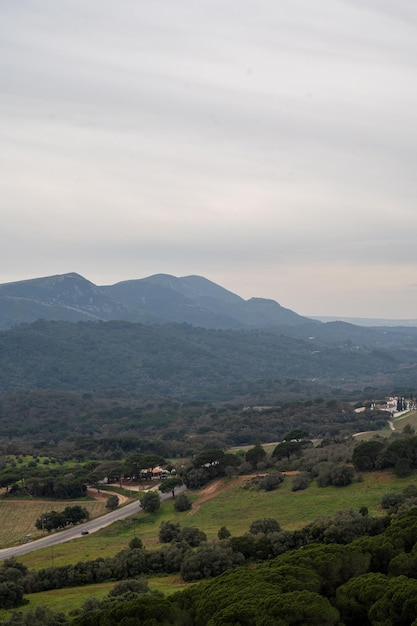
(181, 360)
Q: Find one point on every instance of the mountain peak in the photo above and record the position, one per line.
(161, 298)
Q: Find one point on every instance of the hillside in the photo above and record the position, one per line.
(183, 361)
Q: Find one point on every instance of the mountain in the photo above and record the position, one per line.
(183, 337)
(157, 299)
(66, 297)
(200, 302)
(367, 321)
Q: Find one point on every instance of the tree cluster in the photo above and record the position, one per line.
(187, 551)
(54, 520)
(371, 581)
(399, 454)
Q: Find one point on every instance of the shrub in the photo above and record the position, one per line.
(392, 501)
(301, 481)
(131, 585)
(223, 533)
(192, 535)
(168, 532)
(182, 503)
(112, 502)
(271, 482)
(265, 526)
(150, 502)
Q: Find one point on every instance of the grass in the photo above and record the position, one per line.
(399, 424)
(65, 600)
(18, 517)
(237, 507)
(409, 418)
(123, 491)
(72, 598)
(234, 508)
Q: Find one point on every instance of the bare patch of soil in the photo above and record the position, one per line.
(102, 496)
(218, 486)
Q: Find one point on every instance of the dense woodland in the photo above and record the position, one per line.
(185, 362)
(108, 425)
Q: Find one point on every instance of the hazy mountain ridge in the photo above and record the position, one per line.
(157, 299)
(182, 337)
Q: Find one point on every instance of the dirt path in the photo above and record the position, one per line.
(102, 496)
(222, 484)
(218, 486)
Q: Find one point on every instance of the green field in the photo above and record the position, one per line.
(238, 507)
(70, 599)
(234, 507)
(399, 423)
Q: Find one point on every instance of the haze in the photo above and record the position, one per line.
(267, 146)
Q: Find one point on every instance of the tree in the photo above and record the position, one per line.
(402, 468)
(255, 455)
(192, 535)
(297, 434)
(355, 598)
(76, 514)
(392, 501)
(300, 481)
(271, 482)
(197, 478)
(150, 502)
(182, 503)
(135, 543)
(266, 525)
(303, 607)
(170, 485)
(136, 461)
(287, 449)
(209, 559)
(11, 595)
(168, 531)
(129, 586)
(39, 616)
(398, 605)
(342, 475)
(224, 533)
(112, 502)
(208, 458)
(366, 453)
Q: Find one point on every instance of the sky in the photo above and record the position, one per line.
(268, 146)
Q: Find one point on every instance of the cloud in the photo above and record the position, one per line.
(237, 141)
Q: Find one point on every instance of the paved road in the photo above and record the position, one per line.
(75, 531)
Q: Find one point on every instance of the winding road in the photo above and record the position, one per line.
(75, 531)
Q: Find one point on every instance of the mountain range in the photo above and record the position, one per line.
(184, 337)
(154, 300)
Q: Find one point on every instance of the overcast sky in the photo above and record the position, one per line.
(269, 146)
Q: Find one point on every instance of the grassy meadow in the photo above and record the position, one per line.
(235, 506)
(70, 599)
